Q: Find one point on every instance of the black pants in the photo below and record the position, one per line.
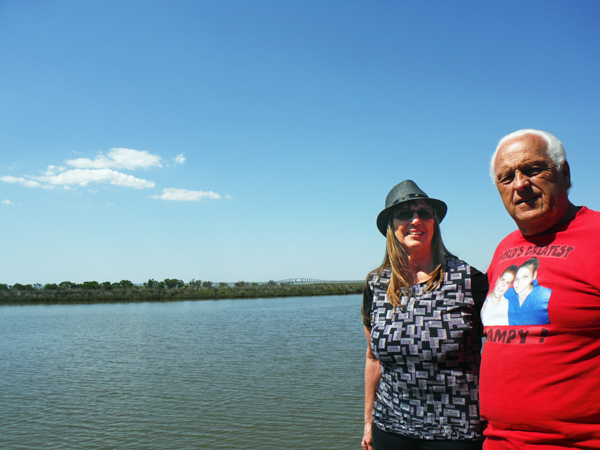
(391, 441)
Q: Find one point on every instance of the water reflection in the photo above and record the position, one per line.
(229, 374)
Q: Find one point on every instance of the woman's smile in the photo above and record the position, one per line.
(414, 233)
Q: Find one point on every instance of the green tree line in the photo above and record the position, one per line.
(170, 289)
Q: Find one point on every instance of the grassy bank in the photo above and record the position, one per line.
(146, 294)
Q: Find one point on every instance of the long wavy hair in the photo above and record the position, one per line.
(397, 260)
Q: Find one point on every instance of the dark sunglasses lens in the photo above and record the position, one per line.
(425, 214)
(404, 214)
(407, 214)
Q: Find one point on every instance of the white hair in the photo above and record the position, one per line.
(554, 148)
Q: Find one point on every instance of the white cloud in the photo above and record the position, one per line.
(184, 195)
(107, 169)
(19, 180)
(7, 202)
(51, 170)
(84, 176)
(119, 158)
(94, 171)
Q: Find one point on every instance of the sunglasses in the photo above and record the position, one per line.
(408, 214)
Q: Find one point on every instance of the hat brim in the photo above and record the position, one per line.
(384, 216)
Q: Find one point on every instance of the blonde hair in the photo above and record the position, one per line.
(397, 260)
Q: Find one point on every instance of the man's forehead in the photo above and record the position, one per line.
(521, 149)
(525, 141)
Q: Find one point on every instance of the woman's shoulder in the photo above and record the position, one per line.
(458, 272)
(379, 278)
(379, 273)
(375, 287)
(455, 264)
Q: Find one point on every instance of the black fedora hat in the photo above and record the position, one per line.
(407, 191)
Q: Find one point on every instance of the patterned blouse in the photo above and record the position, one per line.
(429, 354)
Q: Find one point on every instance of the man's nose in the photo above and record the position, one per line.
(521, 181)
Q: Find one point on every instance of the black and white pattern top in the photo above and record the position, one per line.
(429, 354)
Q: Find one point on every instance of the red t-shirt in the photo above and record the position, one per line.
(540, 383)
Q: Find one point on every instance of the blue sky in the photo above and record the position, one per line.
(236, 140)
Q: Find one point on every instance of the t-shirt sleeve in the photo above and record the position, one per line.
(479, 287)
(367, 305)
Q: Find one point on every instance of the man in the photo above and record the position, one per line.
(540, 383)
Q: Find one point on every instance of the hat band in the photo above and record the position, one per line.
(409, 196)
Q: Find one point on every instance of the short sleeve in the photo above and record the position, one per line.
(479, 287)
(367, 305)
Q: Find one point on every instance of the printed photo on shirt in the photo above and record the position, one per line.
(495, 307)
(517, 298)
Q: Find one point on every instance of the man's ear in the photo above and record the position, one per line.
(534, 275)
(565, 171)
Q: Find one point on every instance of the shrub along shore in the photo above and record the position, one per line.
(169, 290)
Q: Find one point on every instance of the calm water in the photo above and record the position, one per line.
(227, 374)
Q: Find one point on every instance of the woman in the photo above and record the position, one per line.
(524, 279)
(421, 316)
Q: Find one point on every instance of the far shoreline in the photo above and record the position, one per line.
(138, 294)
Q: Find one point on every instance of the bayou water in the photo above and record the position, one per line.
(284, 373)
